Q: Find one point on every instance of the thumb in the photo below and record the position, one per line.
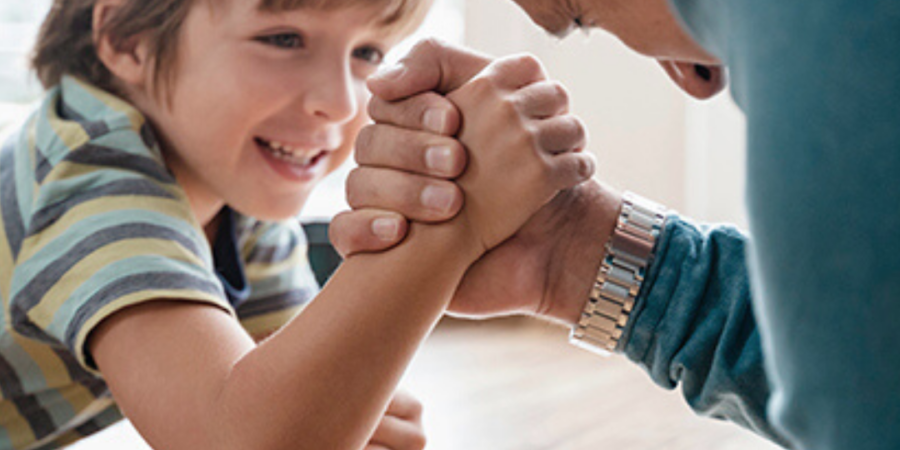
(431, 65)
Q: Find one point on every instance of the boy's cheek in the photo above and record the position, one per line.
(348, 141)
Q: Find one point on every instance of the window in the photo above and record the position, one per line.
(19, 22)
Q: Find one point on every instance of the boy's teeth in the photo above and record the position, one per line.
(286, 153)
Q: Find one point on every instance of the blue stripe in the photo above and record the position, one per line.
(129, 285)
(9, 199)
(126, 267)
(93, 128)
(13, 390)
(279, 302)
(49, 214)
(112, 158)
(33, 292)
(42, 166)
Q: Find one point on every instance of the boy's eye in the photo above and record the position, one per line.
(283, 40)
(369, 54)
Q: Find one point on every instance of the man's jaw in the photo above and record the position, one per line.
(700, 81)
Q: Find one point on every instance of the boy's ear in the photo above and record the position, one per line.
(128, 61)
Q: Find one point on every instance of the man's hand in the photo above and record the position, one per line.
(401, 426)
(547, 267)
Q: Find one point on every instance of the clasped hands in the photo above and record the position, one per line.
(443, 119)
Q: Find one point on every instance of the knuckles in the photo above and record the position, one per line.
(430, 45)
(574, 130)
(587, 167)
(560, 93)
(355, 179)
(523, 65)
(365, 140)
(418, 440)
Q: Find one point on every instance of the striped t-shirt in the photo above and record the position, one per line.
(92, 222)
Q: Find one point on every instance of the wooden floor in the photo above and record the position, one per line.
(518, 385)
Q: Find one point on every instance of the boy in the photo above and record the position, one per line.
(146, 211)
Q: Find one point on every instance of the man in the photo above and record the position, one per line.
(806, 357)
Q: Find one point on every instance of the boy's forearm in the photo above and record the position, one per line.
(323, 381)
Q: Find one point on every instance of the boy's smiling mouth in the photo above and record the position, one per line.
(292, 155)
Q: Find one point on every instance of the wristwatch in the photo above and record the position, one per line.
(629, 252)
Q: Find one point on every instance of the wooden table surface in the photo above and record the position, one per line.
(518, 385)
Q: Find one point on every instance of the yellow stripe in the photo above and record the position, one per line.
(6, 262)
(70, 133)
(85, 405)
(20, 434)
(141, 297)
(65, 170)
(55, 372)
(258, 271)
(259, 326)
(96, 207)
(62, 290)
(250, 244)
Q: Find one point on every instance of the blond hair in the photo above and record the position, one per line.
(65, 43)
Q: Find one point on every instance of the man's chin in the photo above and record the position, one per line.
(700, 81)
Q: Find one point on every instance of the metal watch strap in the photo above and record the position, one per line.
(628, 253)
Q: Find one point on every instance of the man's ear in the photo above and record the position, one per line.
(128, 61)
(699, 81)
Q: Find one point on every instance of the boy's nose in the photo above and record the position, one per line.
(333, 96)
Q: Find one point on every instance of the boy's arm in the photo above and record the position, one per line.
(189, 377)
(198, 381)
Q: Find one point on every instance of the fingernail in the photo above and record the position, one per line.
(437, 198)
(391, 73)
(703, 72)
(439, 159)
(435, 120)
(385, 229)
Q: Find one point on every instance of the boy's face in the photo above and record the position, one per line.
(263, 105)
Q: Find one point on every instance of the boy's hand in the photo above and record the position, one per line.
(401, 426)
(524, 147)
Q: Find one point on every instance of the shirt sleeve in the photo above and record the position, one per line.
(110, 229)
(278, 272)
(693, 326)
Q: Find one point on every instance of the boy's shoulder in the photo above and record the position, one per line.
(76, 116)
(83, 143)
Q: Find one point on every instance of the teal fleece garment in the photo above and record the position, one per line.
(793, 332)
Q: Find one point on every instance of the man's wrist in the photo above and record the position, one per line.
(628, 253)
(594, 211)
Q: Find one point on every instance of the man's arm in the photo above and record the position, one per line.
(693, 324)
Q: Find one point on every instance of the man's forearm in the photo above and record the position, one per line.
(589, 213)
